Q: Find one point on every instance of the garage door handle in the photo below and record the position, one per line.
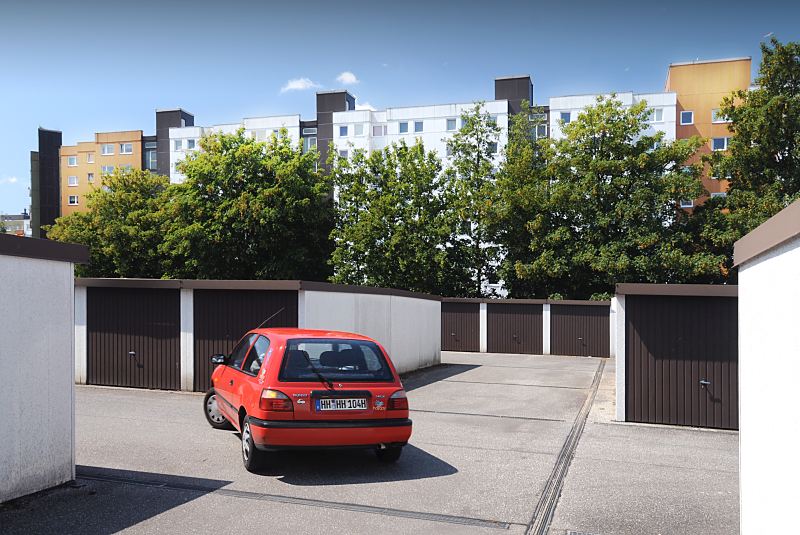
(704, 382)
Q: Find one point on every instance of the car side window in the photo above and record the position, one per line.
(256, 356)
(237, 356)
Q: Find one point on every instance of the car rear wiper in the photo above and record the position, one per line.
(327, 382)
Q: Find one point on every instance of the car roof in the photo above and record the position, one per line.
(292, 332)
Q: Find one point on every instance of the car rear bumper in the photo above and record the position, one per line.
(292, 434)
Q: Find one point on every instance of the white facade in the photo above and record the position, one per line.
(769, 365)
(374, 130)
(662, 119)
(260, 128)
(36, 364)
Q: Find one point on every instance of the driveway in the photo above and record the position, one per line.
(499, 446)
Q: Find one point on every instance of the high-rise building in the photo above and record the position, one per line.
(700, 87)
(45, 182)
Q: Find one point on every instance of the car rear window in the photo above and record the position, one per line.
(334, 359)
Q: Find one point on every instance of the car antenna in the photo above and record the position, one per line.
(269, 318)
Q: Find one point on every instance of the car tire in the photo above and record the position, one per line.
(252, 457)
(389, 454)
(214, 416)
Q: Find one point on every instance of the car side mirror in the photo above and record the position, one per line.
(219, 359)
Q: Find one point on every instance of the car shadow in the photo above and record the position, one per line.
(440, 372)
(102, 501)
(351, 467)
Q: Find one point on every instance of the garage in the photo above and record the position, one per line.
(580, 328)
(133, 336)
(680, 355)
(514, 327)
(222, 316)
(460, 325)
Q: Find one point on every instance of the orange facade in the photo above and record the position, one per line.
(700, 88)
(83, 165)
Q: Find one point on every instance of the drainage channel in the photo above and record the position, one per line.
(277, 498)
(545, 509)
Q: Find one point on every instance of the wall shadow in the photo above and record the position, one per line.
(440, 372)
(102, 501)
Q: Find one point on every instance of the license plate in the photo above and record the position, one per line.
(341, 404)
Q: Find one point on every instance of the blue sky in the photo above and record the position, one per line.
(89, 66)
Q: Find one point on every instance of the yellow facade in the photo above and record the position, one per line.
(700, 88)
(86, 174)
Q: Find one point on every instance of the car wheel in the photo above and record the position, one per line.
(213, 414)
(389, 454)
(252, 457)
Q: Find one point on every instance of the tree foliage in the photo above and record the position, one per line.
(610, 211)
(123, 226)
(249, 210)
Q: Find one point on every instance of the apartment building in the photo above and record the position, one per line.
(700, 87)
(662, 108)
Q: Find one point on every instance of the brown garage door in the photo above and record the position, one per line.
(514, 328)
(221, 317)
(580, 330)
(460, 326)
(681, 360)
(145, 321)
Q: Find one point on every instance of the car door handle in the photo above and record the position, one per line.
(230, 382)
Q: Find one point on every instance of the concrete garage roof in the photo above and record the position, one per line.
(682, 290)
(43, 249)
(776, 230)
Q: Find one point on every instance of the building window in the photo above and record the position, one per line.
(687, 204)
(566, 117)
(190, 144)
(72, 161)
(417, 126)
(151, 160)
(403, 127)
(89, 157)
(107, 169)
(107, 149)
(126, 148)
(463, 122)
(717, 117)
(377, 130)
(73, 200)
(72, 180)
(493, 147)
(687, 117)
(540, 131)
(151, 145)
(359, 129)
(342, 131)
(718, 194)
(656, 115)
(451, 124)
(90, 178)
(449, 150)
(719, 143)
(343, 154)
(309, 131)
(493, 119)
(178, 144)
(309, 143)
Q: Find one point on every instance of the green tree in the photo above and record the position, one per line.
(123, 226)
(611, 213)
(521, 194)
(763, 157)
(391, 226)
(249, 210)
(470, 189)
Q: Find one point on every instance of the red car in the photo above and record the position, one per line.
(300, 388)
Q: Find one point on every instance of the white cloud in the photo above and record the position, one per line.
(9, 180)
(347, 78)
(299, 84)
(365, 106)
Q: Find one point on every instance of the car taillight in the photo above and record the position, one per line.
(398, 401)
(272, 400)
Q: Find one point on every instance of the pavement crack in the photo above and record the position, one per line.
(533, 418)
(514, 384)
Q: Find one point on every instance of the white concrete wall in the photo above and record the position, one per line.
(769, 367)
(409, 328)
(619, 352)
(37, 442)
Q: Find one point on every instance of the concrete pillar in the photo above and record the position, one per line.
(301, 309)
(187, 339)
(483, 329)
(81, 335)
(620, 356)
(612, 327)
(546, 329)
